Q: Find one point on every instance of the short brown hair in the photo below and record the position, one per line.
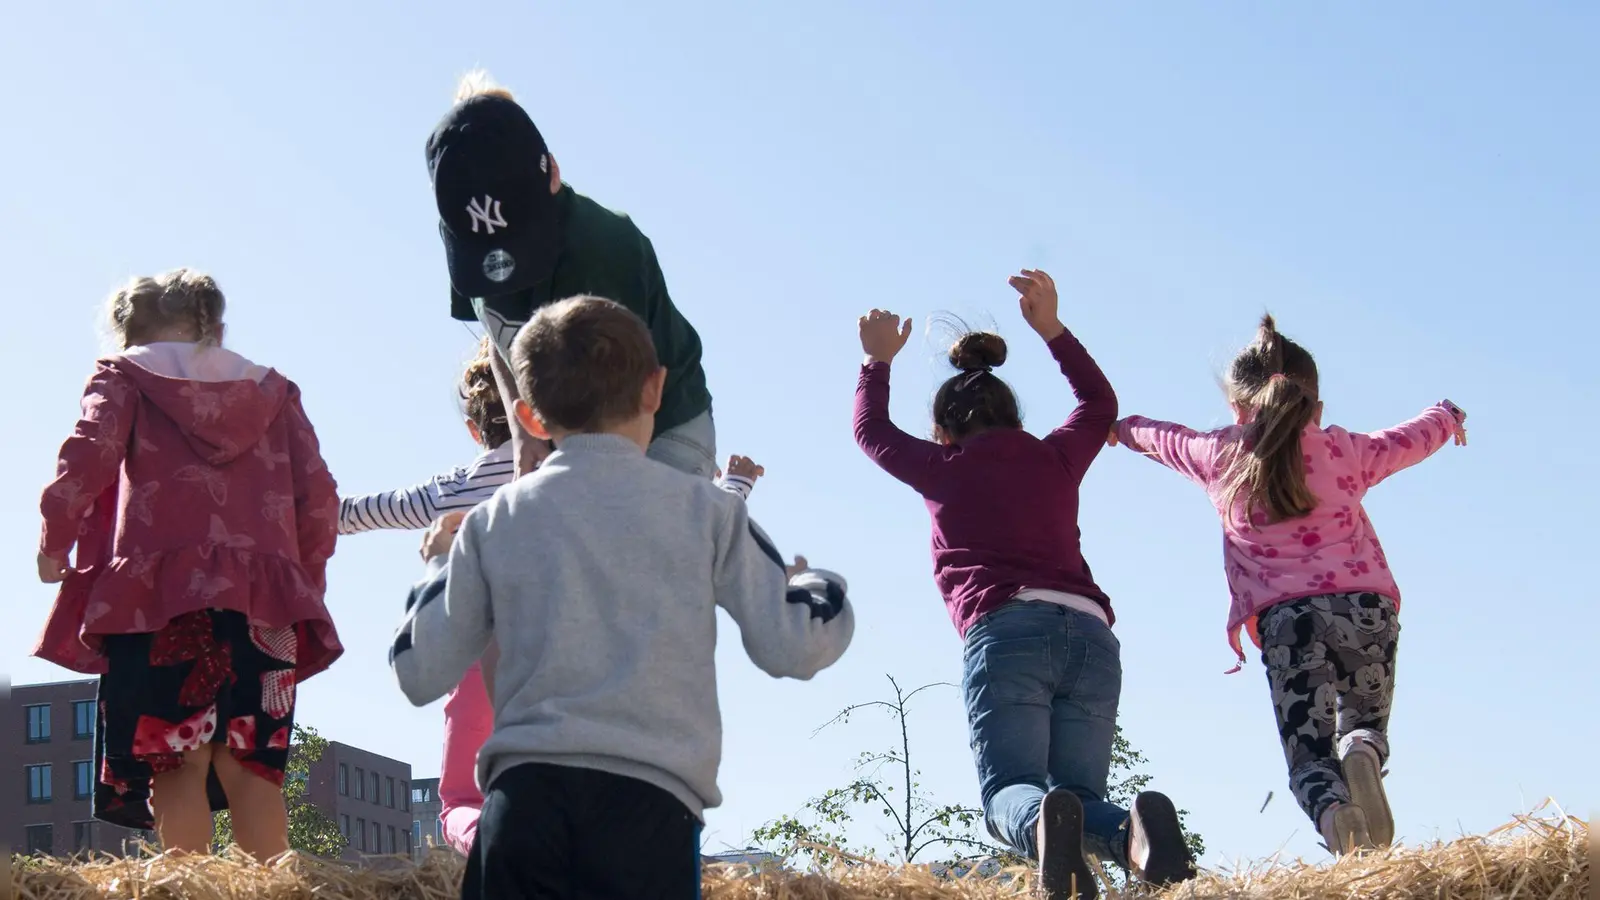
(582, 363)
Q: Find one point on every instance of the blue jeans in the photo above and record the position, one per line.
(1042, 683)
(690, 447)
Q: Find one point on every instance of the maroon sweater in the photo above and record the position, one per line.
(1004, 503)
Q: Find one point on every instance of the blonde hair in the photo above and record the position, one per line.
(479, 83)
(172, 300)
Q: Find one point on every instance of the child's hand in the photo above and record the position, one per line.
(800, 565)
(1040, 305)
(1461, 423)
(1111, 439)
(52, 570)
(883, 336)
(441, 534)
(745, 467)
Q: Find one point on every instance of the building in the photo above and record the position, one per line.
(47, 757)
(426, 829)
(369, 796)
(47, 751)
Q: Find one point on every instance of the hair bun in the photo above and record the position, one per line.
(978, 350)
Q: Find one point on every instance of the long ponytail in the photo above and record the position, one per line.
(1274, 380)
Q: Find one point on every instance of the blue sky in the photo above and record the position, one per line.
(1412, 191)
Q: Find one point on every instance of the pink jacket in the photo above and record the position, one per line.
(193, 480)
(1332, 550)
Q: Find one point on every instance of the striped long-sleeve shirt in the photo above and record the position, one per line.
(461, 488)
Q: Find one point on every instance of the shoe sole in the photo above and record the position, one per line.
(1064, 874)
(1157, 820)
(1352, 833)
(1364, 775)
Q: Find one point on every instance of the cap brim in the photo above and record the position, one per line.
(489, 266)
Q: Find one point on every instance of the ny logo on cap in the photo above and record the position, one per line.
(487, 212)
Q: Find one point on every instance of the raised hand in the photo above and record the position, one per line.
(1040, 305)
(746, 468)
(800, 565)
(883, 336)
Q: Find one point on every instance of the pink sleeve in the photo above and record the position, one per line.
(316, 495)
(90, 460)
(1383, 453)
(468, 722)
(908, 459)
(1190, 453)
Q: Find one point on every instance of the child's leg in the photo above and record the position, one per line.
(1009, 684)
(1296, 644)
(180, 804)
(1366, 693)
(260, 819)
(554, 832)
(1083, 725)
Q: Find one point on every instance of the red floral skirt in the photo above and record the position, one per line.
(207, 677)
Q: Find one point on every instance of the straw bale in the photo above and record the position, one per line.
(1529, 859)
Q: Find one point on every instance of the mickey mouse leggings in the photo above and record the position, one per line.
(1330, 662)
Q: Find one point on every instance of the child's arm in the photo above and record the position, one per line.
(1383, 453)
(90, 461)
(316, 495)
(792, 627)
(1081, 437)
(417, 507)
(908, 459)
(740, 478)
(449, 621)
(1190, 453)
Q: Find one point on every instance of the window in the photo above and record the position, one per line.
(41, 839)
(416, 795)
(377, 838)
(361, 832)
(344, 826)
(405, 796)
(39, 789)
(375, 797)
(82, 720)
(82, 779)
(388, 792)
(38, 723)
(344, 779)
(409, 850)
(361, 784)
(415, 838)
(82, 836)
(394, 841)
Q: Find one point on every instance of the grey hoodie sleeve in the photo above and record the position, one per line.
(792, 628)
(448, 622)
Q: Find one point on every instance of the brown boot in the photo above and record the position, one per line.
(1064, 873)
(1157, 852)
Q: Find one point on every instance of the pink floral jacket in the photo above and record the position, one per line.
(1332, 550)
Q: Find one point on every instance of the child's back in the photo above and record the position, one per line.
(598, 576)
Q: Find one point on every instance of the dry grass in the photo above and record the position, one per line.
(1530, 859)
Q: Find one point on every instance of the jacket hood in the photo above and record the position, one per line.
(221, 402)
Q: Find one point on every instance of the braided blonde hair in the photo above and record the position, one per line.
(182, 300)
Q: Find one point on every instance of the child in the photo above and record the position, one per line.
(598, 577)
(1042, 674)
(517, 238)
(462, 489)
(468, 715)
(207, 608)
(1307, 574)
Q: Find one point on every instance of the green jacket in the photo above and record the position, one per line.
(606, 255)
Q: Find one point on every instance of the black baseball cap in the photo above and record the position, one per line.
(490, 170)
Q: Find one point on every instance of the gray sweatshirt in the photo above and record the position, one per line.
(598, 577)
